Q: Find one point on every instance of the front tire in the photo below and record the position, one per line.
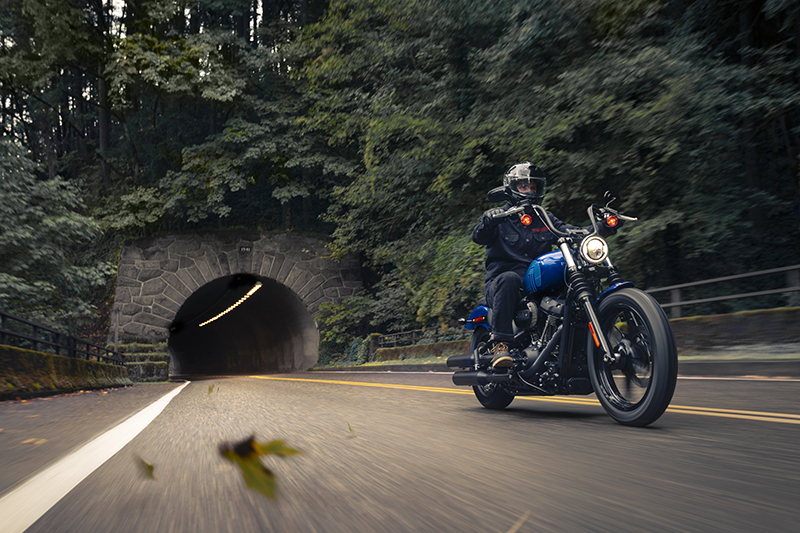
(493, 395)
(637, 384)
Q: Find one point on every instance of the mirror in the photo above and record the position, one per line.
(497, 195)
(609, 197)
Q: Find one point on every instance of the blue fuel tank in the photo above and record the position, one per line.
(546, 272)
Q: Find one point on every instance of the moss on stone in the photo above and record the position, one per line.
(25, 371)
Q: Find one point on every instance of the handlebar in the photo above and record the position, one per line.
(512, 211)
(594, 212)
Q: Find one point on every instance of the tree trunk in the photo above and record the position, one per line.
(132, 147)
(254, 19)
(194, 20)
(103, 128)
(287, 215)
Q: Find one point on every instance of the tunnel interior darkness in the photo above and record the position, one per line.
(271, 331)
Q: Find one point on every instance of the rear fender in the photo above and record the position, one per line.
(481, 316)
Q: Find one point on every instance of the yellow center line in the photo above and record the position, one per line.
(762, 416)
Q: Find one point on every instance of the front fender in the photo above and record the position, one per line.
(612, 289)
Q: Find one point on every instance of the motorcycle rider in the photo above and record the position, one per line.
(511, 245)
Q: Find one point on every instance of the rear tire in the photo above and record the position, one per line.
(636, 388)
(493, 395)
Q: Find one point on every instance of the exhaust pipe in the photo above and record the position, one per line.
(478, 377)
(467, 360)
(461, 361)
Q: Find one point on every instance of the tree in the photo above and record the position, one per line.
(664, 102)
(42, 274)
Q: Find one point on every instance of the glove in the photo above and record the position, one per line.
(489, 219)
(607, 231)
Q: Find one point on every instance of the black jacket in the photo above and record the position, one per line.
(512, 246)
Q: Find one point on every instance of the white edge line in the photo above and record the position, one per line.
(28, 501)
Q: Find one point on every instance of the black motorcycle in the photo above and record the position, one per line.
(580, 335)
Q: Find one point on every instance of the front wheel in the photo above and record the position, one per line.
(492, 395)
(635, 384)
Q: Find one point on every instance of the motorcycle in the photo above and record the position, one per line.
(579, 335)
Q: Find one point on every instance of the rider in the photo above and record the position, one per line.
(510, 248)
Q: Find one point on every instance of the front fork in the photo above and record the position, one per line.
(580, 286)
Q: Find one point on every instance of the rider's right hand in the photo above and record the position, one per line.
(491, 218)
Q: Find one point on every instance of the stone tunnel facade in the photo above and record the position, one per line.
(157, 275)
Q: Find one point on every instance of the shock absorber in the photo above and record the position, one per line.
(613, 275)
(580, 286)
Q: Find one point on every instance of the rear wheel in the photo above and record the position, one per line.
(492, 395)
(635, 384)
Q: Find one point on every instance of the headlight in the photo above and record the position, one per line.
(594, 249)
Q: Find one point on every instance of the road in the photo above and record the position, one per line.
(411, 452)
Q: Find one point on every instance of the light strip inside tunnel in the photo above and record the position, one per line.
(231, 308)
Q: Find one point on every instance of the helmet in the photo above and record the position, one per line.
(525, 181)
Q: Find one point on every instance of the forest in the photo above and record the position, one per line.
(381, 125)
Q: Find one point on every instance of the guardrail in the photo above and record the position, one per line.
(41, 338)
(420, 336)
(676, 291)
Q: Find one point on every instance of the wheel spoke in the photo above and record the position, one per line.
(628, 377)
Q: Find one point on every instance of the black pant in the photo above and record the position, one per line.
(502, 294)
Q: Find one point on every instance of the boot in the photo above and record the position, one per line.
(501, 356)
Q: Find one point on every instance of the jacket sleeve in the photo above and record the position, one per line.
(483, 234)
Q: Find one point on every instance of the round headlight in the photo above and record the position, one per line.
(594, 249)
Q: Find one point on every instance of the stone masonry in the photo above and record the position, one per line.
(157, 275)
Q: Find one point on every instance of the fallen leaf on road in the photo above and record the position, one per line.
(353, 431)
(246, 455)
(34, 441)
(146, 468)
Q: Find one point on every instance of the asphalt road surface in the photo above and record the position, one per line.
(411, 452)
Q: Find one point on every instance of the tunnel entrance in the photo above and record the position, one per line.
(269, 330)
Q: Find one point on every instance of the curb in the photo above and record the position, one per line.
(789, 369)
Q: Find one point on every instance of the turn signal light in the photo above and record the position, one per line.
(612, 221)
(526, 219)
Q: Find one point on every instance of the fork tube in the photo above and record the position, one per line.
(578, 284)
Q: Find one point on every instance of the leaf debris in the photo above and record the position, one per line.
(246, 455)
(146, 468)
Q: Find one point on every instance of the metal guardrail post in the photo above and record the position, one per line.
(793, 280)
(675, 297)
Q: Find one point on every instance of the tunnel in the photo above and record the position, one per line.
(242, 324)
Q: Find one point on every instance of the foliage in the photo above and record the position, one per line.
(646, 98)
(395, 118)
(341, 322)
(42, 277)
(133, 212)
(450, 281)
